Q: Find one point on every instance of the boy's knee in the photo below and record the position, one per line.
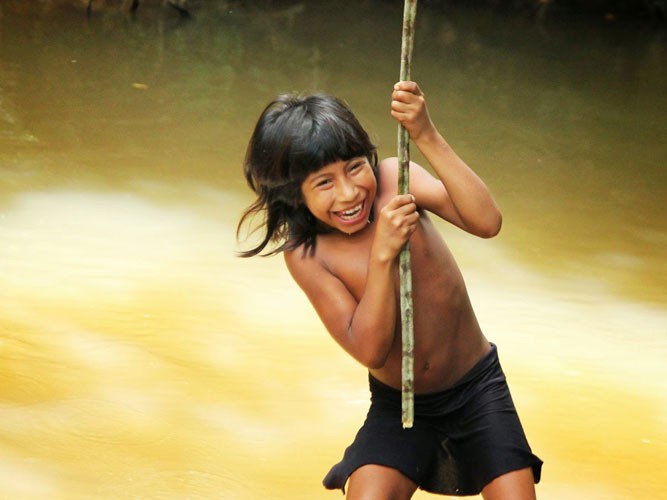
(377, 482)
(515, 485)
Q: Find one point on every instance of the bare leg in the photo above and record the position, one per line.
(515, 485)
(376, 482)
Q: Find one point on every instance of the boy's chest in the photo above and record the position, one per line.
(347, 261)
(347, 258)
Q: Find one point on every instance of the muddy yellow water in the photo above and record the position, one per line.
(139, 358)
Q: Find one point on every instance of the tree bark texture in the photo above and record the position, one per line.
(407, 330)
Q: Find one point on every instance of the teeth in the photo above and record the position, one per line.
(351, 212)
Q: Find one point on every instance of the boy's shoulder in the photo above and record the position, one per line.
(388, 166)
(387, 179)
(311, 270)
(297, 261)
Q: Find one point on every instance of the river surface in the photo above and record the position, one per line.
(139, 358)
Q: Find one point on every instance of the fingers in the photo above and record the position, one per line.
(408, 107)
(402, 213)
(405, 94)
(398, 220)
(407, 101)
(409, 87)
(403, 200)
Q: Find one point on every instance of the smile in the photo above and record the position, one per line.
(351, 214)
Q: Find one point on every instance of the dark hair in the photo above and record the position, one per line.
(295, 136)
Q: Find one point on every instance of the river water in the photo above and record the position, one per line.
(139, 358)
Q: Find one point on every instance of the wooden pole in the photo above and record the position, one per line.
(407, 330)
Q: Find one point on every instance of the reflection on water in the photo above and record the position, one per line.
(141, 358)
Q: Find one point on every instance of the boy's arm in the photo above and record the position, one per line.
(465, 199)
(365, 328)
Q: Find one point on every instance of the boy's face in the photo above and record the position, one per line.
(341, 194)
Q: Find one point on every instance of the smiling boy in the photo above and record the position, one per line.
(341, 225)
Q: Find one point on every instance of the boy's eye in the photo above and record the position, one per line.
(323, 183)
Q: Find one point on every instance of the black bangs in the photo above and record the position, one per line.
(326, 131)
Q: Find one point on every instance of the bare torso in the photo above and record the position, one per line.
(448, 339)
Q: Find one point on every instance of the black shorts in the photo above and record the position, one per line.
(462, 438)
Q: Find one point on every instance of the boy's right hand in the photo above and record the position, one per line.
(397, 221)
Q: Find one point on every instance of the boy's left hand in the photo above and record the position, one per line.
(408, 107)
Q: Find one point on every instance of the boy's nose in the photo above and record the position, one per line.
(347, 191)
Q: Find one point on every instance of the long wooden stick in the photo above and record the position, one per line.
(407, 330)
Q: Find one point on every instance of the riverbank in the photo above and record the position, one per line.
(640, 13)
